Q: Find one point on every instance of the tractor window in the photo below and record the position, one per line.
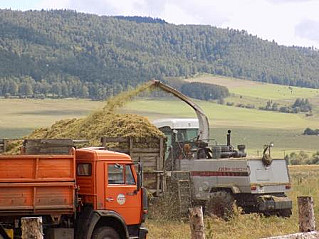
(186, 135)
(191, 134)
(129, 179)
(115, 174)
(84, 169)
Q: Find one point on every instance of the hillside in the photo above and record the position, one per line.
(68, 54)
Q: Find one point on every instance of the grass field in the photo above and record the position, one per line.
(251, 127)
(221, 115)
(305, 181)
(20, 116)
(258, 93)
(258, 89)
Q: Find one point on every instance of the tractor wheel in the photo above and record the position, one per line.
(220, 204)
(105, 233)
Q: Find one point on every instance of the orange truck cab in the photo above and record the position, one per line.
(89, 193)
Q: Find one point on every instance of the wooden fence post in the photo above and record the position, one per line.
(306, 214)
(31, 228)
(196, 221)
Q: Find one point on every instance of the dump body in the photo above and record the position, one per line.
(37, 184)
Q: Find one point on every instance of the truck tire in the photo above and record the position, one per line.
(105, 233)
(220, 204)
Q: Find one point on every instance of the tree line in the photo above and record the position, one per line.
(61, 88)
(302, 158)
(309, 131)
(204, 91)
(102, 52)
(69, 86)
(299, 106)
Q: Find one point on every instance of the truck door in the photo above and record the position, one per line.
(120, 194)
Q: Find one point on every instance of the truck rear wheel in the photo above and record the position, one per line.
(105, 233)
(220, 204)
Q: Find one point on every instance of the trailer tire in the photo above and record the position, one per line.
(220, 204)
(105, 233)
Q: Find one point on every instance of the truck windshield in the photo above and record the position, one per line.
(186, 134)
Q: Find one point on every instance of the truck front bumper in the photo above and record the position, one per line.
(273, 203)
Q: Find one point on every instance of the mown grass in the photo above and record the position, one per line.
(305, 182)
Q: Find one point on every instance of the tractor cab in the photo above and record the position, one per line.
(182, 138)
(178, 130)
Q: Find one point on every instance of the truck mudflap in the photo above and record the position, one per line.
(142, 232)
(273, 203)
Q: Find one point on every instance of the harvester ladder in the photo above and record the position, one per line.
(184, 195)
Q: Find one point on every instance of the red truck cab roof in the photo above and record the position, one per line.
(101, 154)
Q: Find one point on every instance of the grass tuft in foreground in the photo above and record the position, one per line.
(305, 182)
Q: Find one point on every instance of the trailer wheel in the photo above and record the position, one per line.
(105, 233)
(220, 204)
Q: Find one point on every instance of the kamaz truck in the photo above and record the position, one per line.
(79, 193)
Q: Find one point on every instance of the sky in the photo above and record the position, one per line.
(287, 22)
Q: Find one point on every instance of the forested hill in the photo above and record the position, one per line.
(74, 54)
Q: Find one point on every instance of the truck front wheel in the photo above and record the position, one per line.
(105, 233)
(220, 204)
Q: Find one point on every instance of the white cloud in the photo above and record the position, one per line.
(279, 20)
(288, 1)
(308, 29)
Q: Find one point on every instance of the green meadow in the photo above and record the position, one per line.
(257, 89)
(258, 93)
(20, 116)
(251, 127)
